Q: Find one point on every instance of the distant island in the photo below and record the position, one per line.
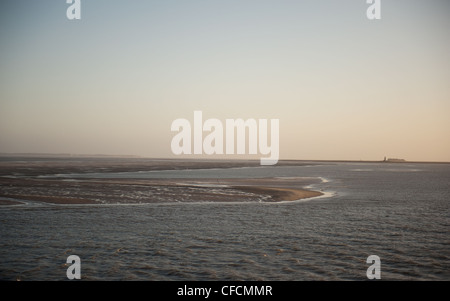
(393, 160)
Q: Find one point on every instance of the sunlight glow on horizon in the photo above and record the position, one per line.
(343, 87)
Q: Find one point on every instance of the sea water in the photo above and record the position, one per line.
(399, 212)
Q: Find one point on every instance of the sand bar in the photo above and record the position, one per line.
(9, 203)
(21, 180)
(103, 191)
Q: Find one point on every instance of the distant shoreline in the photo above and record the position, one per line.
(198, 159)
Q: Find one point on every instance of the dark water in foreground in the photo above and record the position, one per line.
(399, 212)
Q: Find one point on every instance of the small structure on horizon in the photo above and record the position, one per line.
(393, 160)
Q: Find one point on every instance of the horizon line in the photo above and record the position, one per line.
(70, 155)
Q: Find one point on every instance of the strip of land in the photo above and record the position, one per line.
(123, 191)
(9, 203)
(281, 194)
(22, 180)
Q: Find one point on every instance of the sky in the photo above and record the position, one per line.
(342, 86)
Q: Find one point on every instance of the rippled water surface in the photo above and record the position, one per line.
(399, 212)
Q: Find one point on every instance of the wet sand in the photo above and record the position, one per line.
(22, 182)
(32, 167)
(9, 203)
(142, 191)
(281, 194)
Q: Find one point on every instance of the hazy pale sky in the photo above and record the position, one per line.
(342, 86)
